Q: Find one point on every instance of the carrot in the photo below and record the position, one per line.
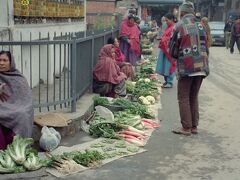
(136, 142)
(130, 128)
(126, 136)
(135, 134)
(153, 123)
(147, 125)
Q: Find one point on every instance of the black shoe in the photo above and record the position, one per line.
(164, 84)
(231, 51)
(168, 85)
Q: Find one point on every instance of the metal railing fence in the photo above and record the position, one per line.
(58, 67)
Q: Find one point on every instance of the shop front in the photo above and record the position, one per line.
(155, 9)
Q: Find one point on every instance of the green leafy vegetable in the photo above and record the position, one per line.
(17, 150)
(102, 101)
(101, 127)
(33, 162)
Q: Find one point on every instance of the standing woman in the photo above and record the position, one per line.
(129, 40)
(16, 107)
(166, 66)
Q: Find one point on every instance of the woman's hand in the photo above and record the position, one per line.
(3, 96)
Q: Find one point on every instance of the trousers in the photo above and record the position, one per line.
(188, 89)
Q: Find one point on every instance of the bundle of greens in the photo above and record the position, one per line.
(133, 107)
(17, 150)
(143, 88)
(19, 157)
(101, 127)
(130, 86)
(33, 162)
(145, 70)
(100, 101)
(87, 158)
(126, 118)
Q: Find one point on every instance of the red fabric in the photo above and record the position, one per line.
(163, 45)
(107, 69)
(132, 32)
(6, 137)
(120, 58)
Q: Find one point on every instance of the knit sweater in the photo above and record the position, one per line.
(188, 46)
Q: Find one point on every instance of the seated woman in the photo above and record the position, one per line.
(125, 67)
(16, 108)
(108, 80)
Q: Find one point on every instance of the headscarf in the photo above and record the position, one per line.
(187, 7)
(17, 112)
(107, 69)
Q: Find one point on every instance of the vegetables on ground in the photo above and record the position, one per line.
(17, 150)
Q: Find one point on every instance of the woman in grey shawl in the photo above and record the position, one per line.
(16, 108)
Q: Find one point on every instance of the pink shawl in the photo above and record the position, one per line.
(107, 69)
(120, 58)
(132, 32)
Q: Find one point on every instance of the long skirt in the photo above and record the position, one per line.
(131, 56)
(109, 89)
(163, 68)
(6, 137)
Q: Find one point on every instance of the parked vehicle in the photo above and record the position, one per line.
(217, 32)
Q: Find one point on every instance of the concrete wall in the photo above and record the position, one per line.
(9, 31)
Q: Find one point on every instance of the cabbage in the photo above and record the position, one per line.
(33, 162)
(17, 150)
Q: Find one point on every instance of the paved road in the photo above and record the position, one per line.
(211, 155)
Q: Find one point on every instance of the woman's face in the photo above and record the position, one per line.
(4, 63)
(131, 21)
(116, 43)
(168, 21)
(113, 52)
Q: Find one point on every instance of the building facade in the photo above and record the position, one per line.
(100, 13)
(23, 20)
(217, 10)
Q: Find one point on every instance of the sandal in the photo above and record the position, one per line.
(182, 131)
(194, 130)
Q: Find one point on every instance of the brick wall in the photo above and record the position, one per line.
(99, 7)
(96, 6)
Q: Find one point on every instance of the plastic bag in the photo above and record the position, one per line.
(105, 113)
(50, 139)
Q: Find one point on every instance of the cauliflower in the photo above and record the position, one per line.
(147, 80)
(144, 100)
(133, 83)
(141, 79)
(151, 99)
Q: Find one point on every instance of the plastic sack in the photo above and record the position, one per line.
(50, 139)
(105, 113)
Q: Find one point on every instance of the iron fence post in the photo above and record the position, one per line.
(73, 72)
